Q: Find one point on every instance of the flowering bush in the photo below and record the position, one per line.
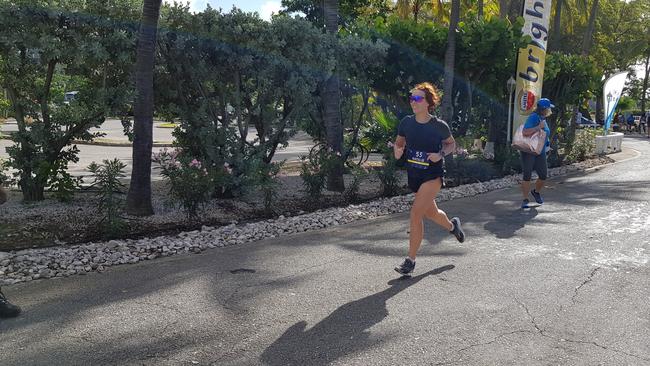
(191, 183)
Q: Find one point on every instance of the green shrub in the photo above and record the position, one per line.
(62, 184)
(265, 177)
(584, 145)
(313, 174)
(470, 170)
(359, 173)
(507, 159)
(387, 174)
(110, 192)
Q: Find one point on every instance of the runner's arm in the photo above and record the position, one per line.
(448, 146)
(398, 147)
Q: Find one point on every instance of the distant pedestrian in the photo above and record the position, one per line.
(630, 122)
(529, 162)
(426, 140)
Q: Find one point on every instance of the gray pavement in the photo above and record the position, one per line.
(562, 284)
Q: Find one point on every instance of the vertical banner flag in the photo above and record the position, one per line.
(530, 63)
(611, 95)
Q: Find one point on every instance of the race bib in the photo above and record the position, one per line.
(417, 159)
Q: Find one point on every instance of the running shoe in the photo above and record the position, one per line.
(406, 267)
(457, 231)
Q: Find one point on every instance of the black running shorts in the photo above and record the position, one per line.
(416, 178)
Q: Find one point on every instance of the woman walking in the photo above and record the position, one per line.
(529, 162)
(426, 140)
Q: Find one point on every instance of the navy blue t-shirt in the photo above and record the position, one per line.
(423, 138)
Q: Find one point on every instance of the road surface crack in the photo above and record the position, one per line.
(481, 344)
(606, 348)
(531, 317)
(589, 278)
(556, 339)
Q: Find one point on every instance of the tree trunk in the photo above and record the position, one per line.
(599, 108)
(32, 191)
(557, 23)
(139, 196)
(416, 9)
(450, 56)
(402, 9)
(480, 9)
(586, 48)
(589, 34)
(645, 82)
(503, 9)
(332, 105)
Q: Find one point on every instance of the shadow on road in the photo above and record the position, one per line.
(343, 332)
(507, 222)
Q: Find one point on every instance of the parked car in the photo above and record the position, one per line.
(69, 97)
(586, 122)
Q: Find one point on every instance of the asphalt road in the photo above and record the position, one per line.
(299, 145)
(566, 283)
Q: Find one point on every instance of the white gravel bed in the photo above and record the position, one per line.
(62, 261)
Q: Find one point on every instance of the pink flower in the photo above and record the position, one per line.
(195, 164)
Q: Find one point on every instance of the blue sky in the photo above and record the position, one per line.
(263, 7)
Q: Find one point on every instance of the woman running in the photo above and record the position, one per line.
(426, 140)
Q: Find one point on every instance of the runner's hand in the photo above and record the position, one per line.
(398, 151)
(434, 157)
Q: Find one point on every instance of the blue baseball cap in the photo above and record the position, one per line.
(544, 103)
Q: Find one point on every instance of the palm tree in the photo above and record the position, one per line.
(332, 104)
(139, 196)
(557, 22)
(589, 34)
(503, 9)
(645, 79)
(586, 48)
(450, 55)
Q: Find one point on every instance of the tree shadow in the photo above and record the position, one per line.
(506, 223)
(343, 332)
